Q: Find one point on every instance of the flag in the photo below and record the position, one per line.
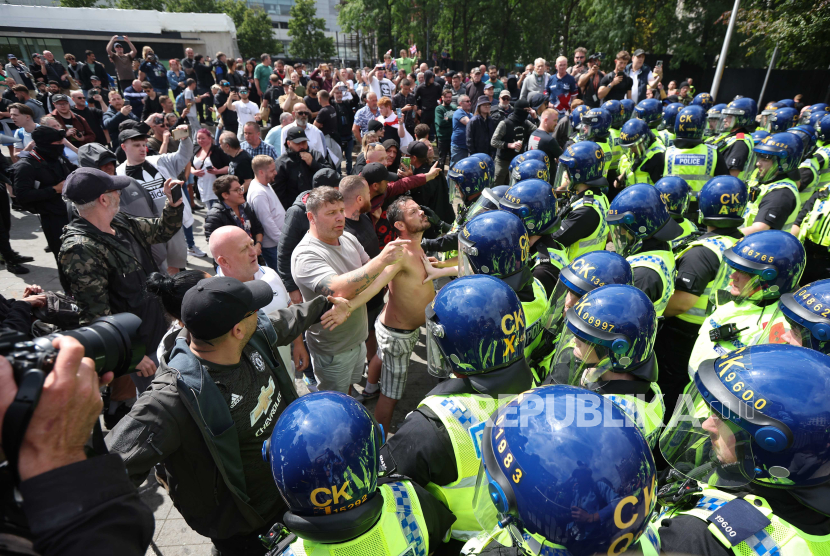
(413, 49)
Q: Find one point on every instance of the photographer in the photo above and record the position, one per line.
(212, 404)
(590, 80)
(224, 100)
(616, 85)
(105, 515)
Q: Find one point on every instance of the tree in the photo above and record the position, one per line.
(78, 3)
(306, 31)
(255, 35)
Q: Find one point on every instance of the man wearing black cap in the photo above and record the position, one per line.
(105, 256)
(211, 405)
(480, 129)
(77, 129)
(39, 181)
(434, 192)
(296, 166)
(427, 97)
(510, 138)
(640, 74)
(123, 61)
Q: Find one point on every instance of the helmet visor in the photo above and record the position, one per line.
(703, 445)
(623, 240)
(635, 150)
(726, 123)
(486, 201)
(456, 196)
(437, 364)
(486, 495)
(578, 362)
(561, 300)
(712, 124)
(767, 167)
(733, 285)
(784, 330)
(465, 265)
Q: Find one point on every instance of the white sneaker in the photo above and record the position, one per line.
(196, 252)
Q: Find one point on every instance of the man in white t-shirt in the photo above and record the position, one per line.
(316, 141)
(234, 252)
(246, 111)
(267, 206)
(377, 82)
(23, 118)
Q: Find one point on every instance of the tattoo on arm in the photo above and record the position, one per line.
(324, 287)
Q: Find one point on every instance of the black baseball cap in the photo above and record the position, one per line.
(84, 185)
(215, 305)
(374, 125)
(59, 98)
(375, 173)
(94, 78)
(296, 135)
(130, 134)
(639, 52)
(418, 149)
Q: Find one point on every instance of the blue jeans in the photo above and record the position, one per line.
(270, 256)
(457, 153)
(348, 147)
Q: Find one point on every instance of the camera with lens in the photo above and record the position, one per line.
(93, 92)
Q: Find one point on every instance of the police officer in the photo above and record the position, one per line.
(734, 141)
(650, 110)
(721, 204)
(643, 155)
(713, 116)
(817, 108)
(614, 358)
(774, 202)
(535, 154)
(768, 111)
(568, 494)
(811, 162)
(752, 444)
(575, 119)
(753, 274)
(467, 179)
(595, 126)
(618, 118)
(666, 128)
(675, 193)
(475, 330)
(822, 128)
(690, 158)
(812, 228)
(782, 120)
(628, 107)
(704, 100)
(488, 200)
(535, 203)
(324, 457)
(528, 170)
(641, 228)
(799, 319)
(491, 167)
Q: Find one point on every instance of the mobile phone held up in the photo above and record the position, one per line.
(179, 134)
(176, 192)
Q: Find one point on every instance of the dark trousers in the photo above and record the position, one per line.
(243, 545)
(202, 106)
(123, 84)
(52, 226)
(5, 223)
(428, 117)
(443, 152)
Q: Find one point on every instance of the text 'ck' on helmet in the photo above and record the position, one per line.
(721, 202)
(638, 213)
(581, 163)
(690, 123)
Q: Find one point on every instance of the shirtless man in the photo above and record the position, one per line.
(398, 326)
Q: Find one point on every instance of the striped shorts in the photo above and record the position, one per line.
(394, 350)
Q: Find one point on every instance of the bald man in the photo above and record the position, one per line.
(236, 257)
(316, 141)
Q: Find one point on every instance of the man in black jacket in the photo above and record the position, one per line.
(38, 183)
(85, 73)
(427, 97)
(480, 129)
(296, 166)
(213, 402)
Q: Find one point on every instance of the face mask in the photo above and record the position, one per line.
(49, 151)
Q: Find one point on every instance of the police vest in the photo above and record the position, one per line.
(464, 417)
(661, 262)
(729, 140)
(806, 190)
(637, 175)
(534, 311)
(778, 538)
(716, 140)
(746, 315)
(689, 229)
(758, 193)
(666, 137)
(616, 149)
(597, 239)
(822, 157)
(816, 225)
(696, 165)
(607, 155)
(717, 245)
(401, 529)
(647, 415)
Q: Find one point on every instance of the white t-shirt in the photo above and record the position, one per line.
(381, 87)
(245, 112)
(23, 138)
(205, 183)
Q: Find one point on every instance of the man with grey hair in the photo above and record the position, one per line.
(274, 136)
(536, 81)
(329, 261)
(316, 141)
(561, 87)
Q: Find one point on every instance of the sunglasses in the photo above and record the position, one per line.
(304, 113)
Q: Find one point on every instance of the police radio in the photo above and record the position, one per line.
(728, 331)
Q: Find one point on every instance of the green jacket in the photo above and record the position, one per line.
(443, 121)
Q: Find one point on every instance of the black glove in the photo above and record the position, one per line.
(434, 220)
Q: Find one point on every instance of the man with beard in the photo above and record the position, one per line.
(316, 141)
(427, 97)
(296, 166)
(398, 326)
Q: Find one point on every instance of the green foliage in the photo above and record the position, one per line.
(255, 35)
(78, 3)
(306, 31)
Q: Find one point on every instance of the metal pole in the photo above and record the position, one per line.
(766, 79)
(724, 50)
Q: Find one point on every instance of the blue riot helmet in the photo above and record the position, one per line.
(582, 163)
(535, 203)
(676, 194)
(584, 274)
(323, 454)
(690, 123)
(817, 108)
(762, 266)
(704, 100)
(778, 154)
(787, 103)
(814, 118)
(782, 120)
(713, 116)
(650, 110)
(670, 114)
(822, 128)
(628, 107)
(618, 116)
(635, 139)
(541, 462)
(495, 243)
(747, 419)
(594, 125)
(622, 340)
(488, 200)
(768, 111)
(798, 320)
(469, 176)
(721, 202)
(528, 170)
(636, 214)
(576, 116)
(758, 135)
(740, 113)
(534, 154)
(491, 166)
(476, 325)
(808, 138)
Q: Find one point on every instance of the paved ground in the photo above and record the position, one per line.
(172, 536)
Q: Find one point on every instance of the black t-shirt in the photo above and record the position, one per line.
(698, 266)
(94, 117)
(427, 97)
(735, 156)
(312, 103)
(272, 95)
(399, 101)
(364, 231)
(618, 91)
(544, 141)
(229, 118)
(544, 271)
(328, 119)
(240, 166)
(775, 208)
(204, 77)
(578, 224)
